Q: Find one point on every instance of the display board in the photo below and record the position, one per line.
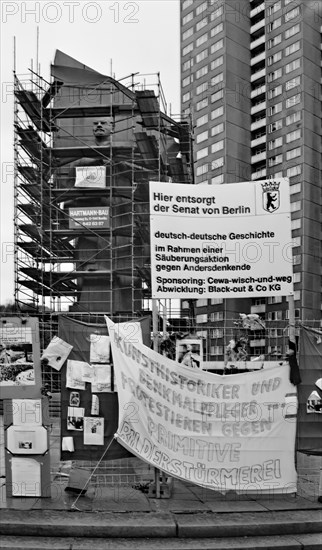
(20, 371)
(221, 241)
(89, 400)
(233, 432)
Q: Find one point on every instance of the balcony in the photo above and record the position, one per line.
(257, 42)
(260, 174)
(257, 108)
(258, 124)
(258, 309)
(257, 26)
(258, 157)
(259, 74)
(258, 141)
(257, 10)
(258, 91)
(258, 58)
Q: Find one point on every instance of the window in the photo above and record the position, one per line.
(295, 188)
(274, 24)
(293, 153)
(187, 18)
(217, 332)
(216, 63)
(202, 88)
(274, 299)
(274, 109)
(201, 8)
(297, 278)
(202, 55)
(297, 259)
(202, 302)
(186, 4)
(216, 30)
(186, 81)
(217, 146)
(202, 153)
(274, 92)
(216, 79)
(274, 41)
(187, 64)
(297, 295)
(292, 66)
(216, 96)
(201, 137)
(274, 75)
(293, 83)
(292, 30)
(293, 100)
(275, 7)
(292, 136)
(275, 160)
(216, 316)
(186, 97)
(217, 129)
(217, 46)
(292, 14)
(202, 104)
(202, 39)
(296, 224)
(217, 112)
(277, 125)
(292, 48)
(187, 49)
(202, 120)
(201, 170)
(274, 58)
(187, 33)
(216, 350)
(217, 163)
(278, 142)
(201, 24)
(294, 171)
(217, 180)
(287, 2)
(294, 117)
(202, 318)
(274, 315)
(201, 72)
(217, 13)
(215, 302)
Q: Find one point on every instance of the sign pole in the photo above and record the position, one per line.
(155, 347)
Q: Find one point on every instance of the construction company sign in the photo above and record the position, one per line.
(233, 432)
(221, 241)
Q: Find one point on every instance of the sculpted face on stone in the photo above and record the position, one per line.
(102, 129)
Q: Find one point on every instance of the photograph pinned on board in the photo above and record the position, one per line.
(93, 431)
(189, 353)
(314, 403)
(74, 399)
(75, 418)
(56, 353)
(16, 357)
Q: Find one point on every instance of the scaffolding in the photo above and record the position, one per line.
(82, 243)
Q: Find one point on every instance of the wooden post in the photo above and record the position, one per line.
(155, 347)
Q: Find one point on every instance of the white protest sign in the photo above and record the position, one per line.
(233, 432)
(221, 241)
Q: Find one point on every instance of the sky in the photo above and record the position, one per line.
(112, 37)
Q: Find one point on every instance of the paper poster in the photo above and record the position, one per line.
(75, 418)
(101, 381)
(314, 403)
(26, 411)
(90, 176)
(74, 375)
(189, 353)
(26, 477)
(100, 348)
(93, 431)
(74, 399)
(95, 408)
(56, 353)
(16, 356)
(87, 373)
(68, 444)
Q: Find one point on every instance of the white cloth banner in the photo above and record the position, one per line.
(221, 241)
(234, 432)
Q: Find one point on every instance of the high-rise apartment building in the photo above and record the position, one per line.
(251, 79)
